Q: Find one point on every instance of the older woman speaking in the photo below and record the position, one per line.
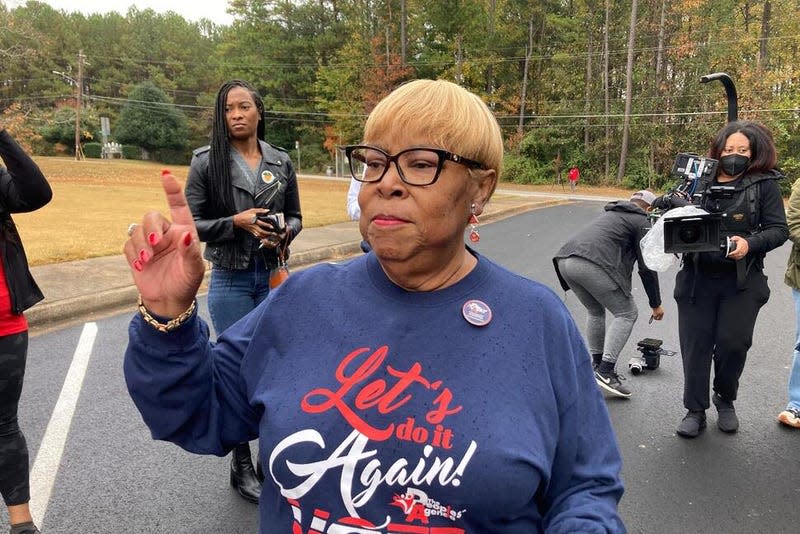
(418, 388)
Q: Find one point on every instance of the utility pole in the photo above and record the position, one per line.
(78, 103)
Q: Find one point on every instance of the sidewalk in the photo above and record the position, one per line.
(85, 290)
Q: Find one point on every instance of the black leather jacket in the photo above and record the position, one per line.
(228, 247)
(23, 188)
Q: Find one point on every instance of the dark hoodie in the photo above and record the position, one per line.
(611, 241)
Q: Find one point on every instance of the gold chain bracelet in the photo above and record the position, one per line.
(170, 325)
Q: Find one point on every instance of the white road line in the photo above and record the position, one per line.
(45, 468)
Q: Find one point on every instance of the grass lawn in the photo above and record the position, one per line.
(95, 200)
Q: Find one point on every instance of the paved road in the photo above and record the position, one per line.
(97, 470)
(743, 483)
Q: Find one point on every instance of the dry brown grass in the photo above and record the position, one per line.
(95, 200)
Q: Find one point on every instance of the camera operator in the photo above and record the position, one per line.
(720, 293)
(244, 198)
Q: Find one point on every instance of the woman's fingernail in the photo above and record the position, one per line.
(187, 239)
(144, 256)
(165, 172)
(152, 238)
(138, 265)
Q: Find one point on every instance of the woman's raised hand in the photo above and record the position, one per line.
(164, 256)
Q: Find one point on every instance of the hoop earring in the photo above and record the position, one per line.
(474, 236)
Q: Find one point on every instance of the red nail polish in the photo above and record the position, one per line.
(138, 265)
(152, 238)
(165, 172)
(144, 256)
(187, 239)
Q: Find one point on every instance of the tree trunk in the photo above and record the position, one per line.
(403, 31)
(523, 92)
(459, 60)
(763, 51)
(587, 105)
(606, 97)
(657, 80)
(623, 154)
(489, 74)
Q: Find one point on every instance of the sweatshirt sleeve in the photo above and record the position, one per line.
(188, 390)
(585, 488)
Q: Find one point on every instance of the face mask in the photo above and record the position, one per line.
(734, 164)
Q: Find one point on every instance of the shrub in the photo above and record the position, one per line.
(791, 169)
(172, 156)
(131, 152)
(524, 170)
(92, 150)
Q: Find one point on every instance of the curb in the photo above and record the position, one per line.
(83, 307)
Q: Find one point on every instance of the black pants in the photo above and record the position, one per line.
(715, 323)
(14, 469)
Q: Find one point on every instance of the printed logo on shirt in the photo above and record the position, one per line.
(362, 386)
(416, 504)
(321, 522)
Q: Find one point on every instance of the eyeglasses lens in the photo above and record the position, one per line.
(417, 166)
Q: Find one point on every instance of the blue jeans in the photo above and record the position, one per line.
(794, 374)
(233, 293)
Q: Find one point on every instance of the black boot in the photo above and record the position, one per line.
(259, 469)
(243, 476)
(24, 528)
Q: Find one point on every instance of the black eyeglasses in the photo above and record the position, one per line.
(416, 166)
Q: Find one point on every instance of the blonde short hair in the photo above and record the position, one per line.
(443, 113)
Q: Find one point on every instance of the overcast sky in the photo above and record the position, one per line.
(189, 9)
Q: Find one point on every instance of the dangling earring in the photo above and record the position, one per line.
(474, 236)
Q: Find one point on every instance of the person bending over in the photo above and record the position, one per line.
(597, 264)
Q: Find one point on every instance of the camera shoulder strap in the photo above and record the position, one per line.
(752, 189)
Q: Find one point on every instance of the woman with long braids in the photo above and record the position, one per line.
(23, 188)
(243, 195)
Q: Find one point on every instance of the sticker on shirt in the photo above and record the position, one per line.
(476, 312)
(267, 177)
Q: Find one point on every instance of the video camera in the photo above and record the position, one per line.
(697, 232)
(693, 169)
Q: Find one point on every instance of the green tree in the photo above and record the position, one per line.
(60, 128)
(150, 120)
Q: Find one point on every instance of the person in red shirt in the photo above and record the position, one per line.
(23, 188)
(574, 175)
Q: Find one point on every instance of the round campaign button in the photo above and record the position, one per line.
(476, 312)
